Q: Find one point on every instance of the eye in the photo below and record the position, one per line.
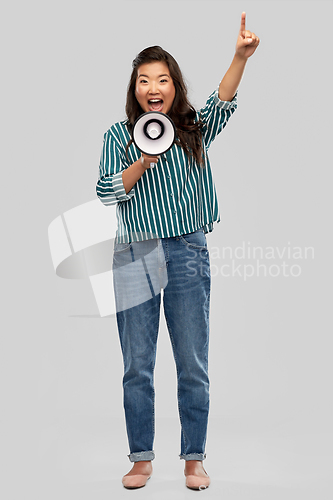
(164, 80)
(143, 81)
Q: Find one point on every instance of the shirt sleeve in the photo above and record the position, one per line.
(110, 188)
(215, 115)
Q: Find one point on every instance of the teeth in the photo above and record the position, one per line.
(154, 100)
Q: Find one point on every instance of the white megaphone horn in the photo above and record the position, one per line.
(153, 133)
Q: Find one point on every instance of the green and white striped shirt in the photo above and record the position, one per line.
(176, 197)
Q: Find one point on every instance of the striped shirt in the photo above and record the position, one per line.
(176, 197)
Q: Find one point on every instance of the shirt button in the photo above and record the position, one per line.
(175, 211)
(171, 194)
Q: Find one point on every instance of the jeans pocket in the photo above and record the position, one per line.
(197, 239)
(121, 247)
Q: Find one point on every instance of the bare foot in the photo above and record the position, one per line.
(196, 476)
(138, 475)
(195, 468)
(143, 467)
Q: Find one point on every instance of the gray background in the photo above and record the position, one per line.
(65, 68)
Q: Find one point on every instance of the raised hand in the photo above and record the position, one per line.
(247, 42)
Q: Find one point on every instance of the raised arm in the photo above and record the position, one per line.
(247, 42)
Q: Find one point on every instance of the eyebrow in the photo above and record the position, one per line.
(157, 77)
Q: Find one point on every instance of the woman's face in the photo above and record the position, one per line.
(154, 88)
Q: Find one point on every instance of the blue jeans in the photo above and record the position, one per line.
(179, 265)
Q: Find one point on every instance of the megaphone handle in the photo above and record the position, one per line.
(152, 164)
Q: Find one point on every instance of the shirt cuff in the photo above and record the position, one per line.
(118, 187)
(225, 104)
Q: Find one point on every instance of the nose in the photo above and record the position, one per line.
(153, 87)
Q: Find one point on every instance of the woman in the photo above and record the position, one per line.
(165, 206)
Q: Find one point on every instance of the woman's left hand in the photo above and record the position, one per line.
(247, 41)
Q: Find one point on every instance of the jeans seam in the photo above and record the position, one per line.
(153, 389)
(166, 250)
(179, 408)
(161, 256)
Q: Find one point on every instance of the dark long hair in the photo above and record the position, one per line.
(182, 113)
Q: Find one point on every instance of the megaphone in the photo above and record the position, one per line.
(153, 133)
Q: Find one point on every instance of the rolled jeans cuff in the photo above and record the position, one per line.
(141, 455)
(193, 456)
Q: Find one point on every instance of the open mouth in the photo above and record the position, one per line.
(155, 104)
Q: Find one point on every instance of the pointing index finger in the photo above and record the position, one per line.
(242, 25)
